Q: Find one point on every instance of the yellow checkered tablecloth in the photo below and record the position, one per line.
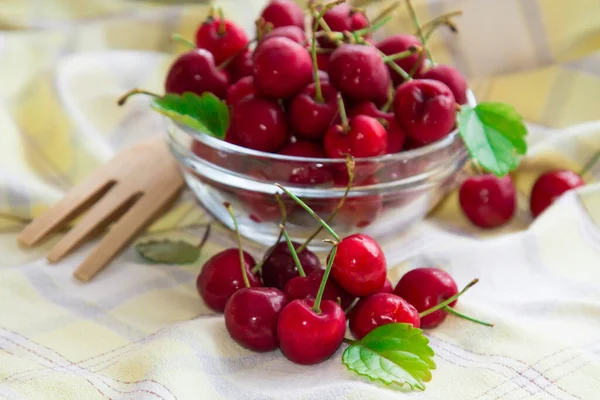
(140, 331)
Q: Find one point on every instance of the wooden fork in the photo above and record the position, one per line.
(133, 189)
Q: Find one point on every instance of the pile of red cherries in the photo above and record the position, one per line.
(332, 94)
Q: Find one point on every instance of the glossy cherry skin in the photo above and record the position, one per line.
(396, 135)
(425, 288)
(195, 72)
(310, 118)
(397, 44)
(306, 337)
(488, 201)
(221, 45)
(359, 73)
(387, 287)
(260, 124)
(283, 13)
(312, 174)
(240, 66)
(308, 286)
(550, 187)
(291, 32)
(425, 110)
(342, 18)
(381, 309)
(221, 277)
(282, 67)
(359, 265)
(240, 90)
(450, 77)
(366, 137)
(251, 316)
(280, 267)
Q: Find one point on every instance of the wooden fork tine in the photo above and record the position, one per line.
(99, 216)
(77, 200)
(141, 214)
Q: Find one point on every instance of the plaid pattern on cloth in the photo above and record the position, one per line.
(140, 331)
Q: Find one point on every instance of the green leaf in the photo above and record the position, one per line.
(168, 251)
(392, 354)
(204, 113)
(494, 134)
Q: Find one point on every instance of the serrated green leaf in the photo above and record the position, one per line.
(204, 113)
(168, 252)
(392, 354)
(494, 134)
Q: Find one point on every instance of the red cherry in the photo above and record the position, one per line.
(366, 137)
(282, 67)
(425, 109)
(313, 174)
(359, 73)
(263, 207)
(280, 267)
(488, 201)
(283, 13)
(342, 18)
(311, 118)
(397, 44)
(307, 337)
(251, 316)
(381, 309)
(396, 136)
(550, 187)
(195, 72)
(222, 41)
(221, 277)
(240, 90)
(425, 288)
(240, 66)
(369, 109)
(359, 211)
(451, 78)
(260, 124)
(302, 287)
(291, 32)
(322, 61)
(359, 265)
(387, 287)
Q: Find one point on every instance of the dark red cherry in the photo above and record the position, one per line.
(396, 136)
(550, 186)
(260, 124)
(323, 61)
(311, 118)
(221, 277)
(387, 287)
(450, 77)
(195, 72)
(359, 73)
(342, 18)
(283, 13)
(425, 110)
(282, 67)
(488, 201)
(311, 174)
(381, 309)
(240, 66)
(307, 337)
(280, 267)
(240, 90)
(308, 287)
(291, 32)
(359, 265)
(425, 288)
(222, 40)
(365, 137)
(397, 44)
(251, 316)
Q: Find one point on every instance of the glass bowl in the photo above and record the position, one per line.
(390, 192)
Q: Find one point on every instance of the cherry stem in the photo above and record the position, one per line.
(590, 164)
(313, 50)
(132, 92)
(310, 211)
(415, 19)
(324, 51)
(450, 300)
(293, 252)
(350, 164)
(239, 241)
(435, 27)
(317, 306)
(350, 341)
(358, 34)
(177, 38)
(267, 255)
(403, 54)
(442, 19)
(461, 315)
(222, 27)
(343, 115)
(390, 99)
(228, 61)
(386, 12)
(392, 64)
